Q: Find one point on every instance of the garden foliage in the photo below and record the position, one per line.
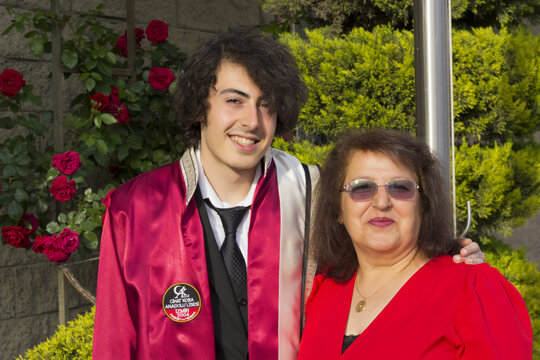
(366, 79)
(344, 15)
(117, 126)
(71, 342)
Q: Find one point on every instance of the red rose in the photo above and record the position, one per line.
(121, 45)
(114, 101)
(53, 250)
(160, 78)
(121, 42)
(16, 236)
(123, 115)
(41, 243)
(62, 189)
(157, 31)
(100, 101)
(32, 221)
(69, 240)
(11, 82)
(67, 163)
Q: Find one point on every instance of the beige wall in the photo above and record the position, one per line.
(28, 281)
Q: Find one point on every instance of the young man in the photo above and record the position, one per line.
(174, 280)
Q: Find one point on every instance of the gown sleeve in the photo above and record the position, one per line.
(114, 331)
(492, 321)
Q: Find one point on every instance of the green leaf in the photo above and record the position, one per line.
(62, 218)
(36, 46)
(137, 86)
(102, 147)
(20, 195)
(15, 210)
(104, 68)
(135, 142)
(5, 158)
(97, 121)
(111, 57)
(90, 63)
(79, 218)
(8, 29)
(53, 227)
(89, 84)
(158, 155)
(22, 171)
(22, 160)
(123, 152)
(9, 171)
(7, 122)
(42, 206)
(133, 107)
(34, 99)
(90, 240)
(108, 119)
(70, 59)
(96, 76)
(32, 123)
(89, 225)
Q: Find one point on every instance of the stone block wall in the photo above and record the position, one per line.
(28, 281)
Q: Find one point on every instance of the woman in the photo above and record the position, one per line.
(388, 288)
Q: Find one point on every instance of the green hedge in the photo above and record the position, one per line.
(71, 342)
(366, 79)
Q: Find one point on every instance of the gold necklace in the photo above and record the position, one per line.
(361, 305)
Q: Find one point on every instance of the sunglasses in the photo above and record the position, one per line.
(364, 190)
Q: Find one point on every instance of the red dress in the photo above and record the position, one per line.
(444, 311)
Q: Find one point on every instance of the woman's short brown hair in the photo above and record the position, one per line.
(334, 251)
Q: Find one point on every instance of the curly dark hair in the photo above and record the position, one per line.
(334, 251)
(269, 63)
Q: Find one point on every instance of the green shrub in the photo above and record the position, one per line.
(502, 183)
(366, 79)
(525, 277)
(343, 15)
(73, 342)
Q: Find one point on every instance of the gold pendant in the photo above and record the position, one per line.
(361, 305)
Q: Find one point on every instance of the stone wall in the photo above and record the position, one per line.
(28, 281)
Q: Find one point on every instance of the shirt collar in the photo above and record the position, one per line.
(189, 165)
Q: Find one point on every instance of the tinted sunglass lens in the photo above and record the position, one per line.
(401, 189)
(363, 190)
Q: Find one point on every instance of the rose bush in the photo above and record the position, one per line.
(115, 129)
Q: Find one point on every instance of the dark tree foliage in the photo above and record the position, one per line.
(343, 15)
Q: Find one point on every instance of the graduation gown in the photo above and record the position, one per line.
(444, 311)
(152, 254)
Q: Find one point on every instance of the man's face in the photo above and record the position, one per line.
(238, 129)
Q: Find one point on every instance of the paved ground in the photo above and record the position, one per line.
(528, 236)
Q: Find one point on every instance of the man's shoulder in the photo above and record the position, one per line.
(153, 180)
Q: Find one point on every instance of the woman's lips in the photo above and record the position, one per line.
(381, 221)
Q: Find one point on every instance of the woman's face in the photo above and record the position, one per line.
(382, 225)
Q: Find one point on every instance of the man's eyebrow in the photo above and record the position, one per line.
(235, 91)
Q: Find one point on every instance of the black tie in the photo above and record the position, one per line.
(232, 256)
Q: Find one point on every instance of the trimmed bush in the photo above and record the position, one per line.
(73, 342)
(366, 79)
